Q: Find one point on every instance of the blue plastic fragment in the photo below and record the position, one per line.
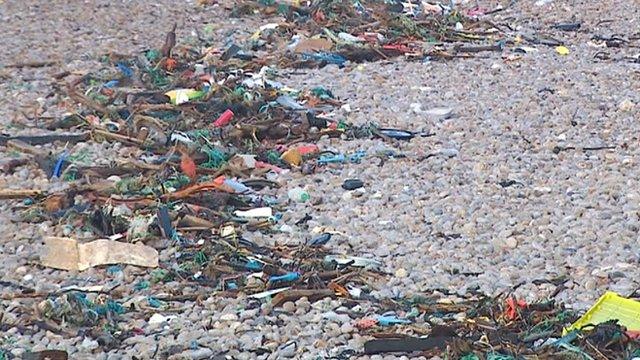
(114, 269)
(391, 320)
(237, 186)
(326, 57)
(57, 169)
(357, 156)
(330, 159)
(253, 265)
(397, 134)
(232, 286)
(153, 302)
(126, 71)
(141, 285)
(111, 84)
(288, 277)
(164, 220)
(110, 307)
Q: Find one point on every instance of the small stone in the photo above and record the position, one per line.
(626, 105)
(440, 112)
(346, 328)
(198, 354)
(249, 314)
(449, 152)
(287, 350)
(539, 191)
(289, 306)
(88, 345)
(18, 352)
(229, 317)
(401, 273)
(590, 284)
(511, 242)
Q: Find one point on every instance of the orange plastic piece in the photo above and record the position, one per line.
(512, 307)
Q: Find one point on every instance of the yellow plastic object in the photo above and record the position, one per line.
(562, 50)
(610, 306)
(181, 96)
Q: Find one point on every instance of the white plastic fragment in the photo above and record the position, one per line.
(263, 212)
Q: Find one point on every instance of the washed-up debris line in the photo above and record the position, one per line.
(316, 33)
(323, 32)
(207, 141)
(479, 327)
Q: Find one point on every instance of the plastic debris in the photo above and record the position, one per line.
(288, 277)
(181, 96)
(224, 119)
(68, 254)
(46, 355)
(292, 157)
(298, 195)
(391, 320)
(562, 50)
(320, 240)
(353, 261)
(610, 306)
(264, 212)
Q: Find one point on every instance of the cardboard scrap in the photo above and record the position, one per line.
(313, 45)
(68, 254)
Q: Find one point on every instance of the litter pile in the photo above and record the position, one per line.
(323, 32)
(206, 142)
(316, 33)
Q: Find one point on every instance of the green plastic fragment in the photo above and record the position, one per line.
(201, 258)
(142, 285)
(322, 93)
(470, 356)
(216, 157)
(153, 55)
(283, 9)
(273, 157)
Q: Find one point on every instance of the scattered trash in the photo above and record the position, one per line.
(209, 130)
